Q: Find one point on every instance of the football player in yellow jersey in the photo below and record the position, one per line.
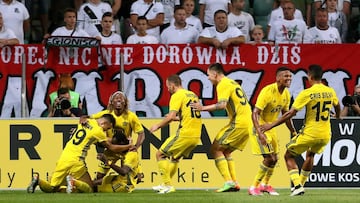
(272, 100)
(128, 174)
(316, 132)
(187, 136)
(118, 106)
(71, 168)
(233, 136)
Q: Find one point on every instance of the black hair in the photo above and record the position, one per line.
(120, 137)
(217, 67)
(107, 14)
(142, 18)
(109, 118)
(220, 11)
(63, 90)
(316, 72)
(281, 69)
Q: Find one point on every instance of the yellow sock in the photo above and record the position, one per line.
(294, 176)
(222, 166)
(268, 175)
(45, 186)
(304, 176)
(173, 166)
(260, 175)
(163, 166)
(82, 186)
(232, 170)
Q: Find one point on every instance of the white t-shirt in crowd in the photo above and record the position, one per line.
(174, 35)
(329, 36)
(140, 7)
(289, 31)
(14, 15)
(230, 32)
(147, 39)
(89, 24)
(113, 38)
(244, 21)
(211, 6)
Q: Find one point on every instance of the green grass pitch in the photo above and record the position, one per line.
(181, 196)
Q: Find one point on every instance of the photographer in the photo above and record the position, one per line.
(351, 104)
(62, 105)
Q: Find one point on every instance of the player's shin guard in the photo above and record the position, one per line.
(222, 166)
(304, 176)
(232, 169)
(164, 171)
(173, 166)
(294, 176)
(268, 175)
(260, 175)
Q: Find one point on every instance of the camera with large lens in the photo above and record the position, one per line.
(64, 103)
(350, 100)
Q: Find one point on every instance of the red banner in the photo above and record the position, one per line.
(147, 66)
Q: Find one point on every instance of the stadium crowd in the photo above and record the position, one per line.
(40, 17)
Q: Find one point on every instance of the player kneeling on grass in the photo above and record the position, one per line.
(71, 168)
(128, 173)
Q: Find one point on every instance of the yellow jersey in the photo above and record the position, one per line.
(81, 140)
(127, 121)
(190, 120)
(318, 101)
(271, 103)
(238, 107)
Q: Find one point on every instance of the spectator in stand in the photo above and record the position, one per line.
(289, 29)
(304, 6)
(337, 18)
(257, 34)
(278, 13)
(322, 33)
(209, 7)
(141, 36)
(154, 13)
(189, 6)
(351, 108)
(108, 36)
(57, 10)
(241, 19)
(169, 7)
(342, 5)
(90, 15)
(7, 36)
(179, 32)
(16, 17)
(69, 29)
(221, 35)
(123, 14)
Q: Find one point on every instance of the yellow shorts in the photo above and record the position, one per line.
(177, 146)
(234, 138)
(76, 168)
(302, 143)
(115, 183)
(272, 143)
